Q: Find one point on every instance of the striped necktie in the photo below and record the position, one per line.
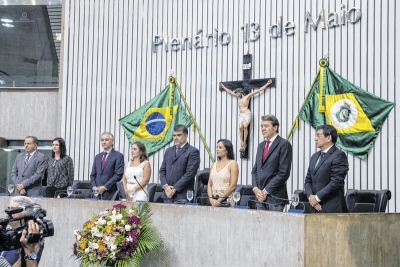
(27, 160)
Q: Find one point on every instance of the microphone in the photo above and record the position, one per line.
(141, 187)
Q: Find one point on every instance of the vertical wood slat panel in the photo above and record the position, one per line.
(109, 71)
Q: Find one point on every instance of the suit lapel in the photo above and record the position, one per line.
(29, 162)
(183, 150)
(322, 160)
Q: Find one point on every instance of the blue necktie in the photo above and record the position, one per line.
(177, 151)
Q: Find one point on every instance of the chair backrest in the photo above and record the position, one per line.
(367, 200)
(201, 177)
(155, 193)
(151, 189)
(246, 195)
(302, 198)
(201, 187)
(81, 189)
(121, 190)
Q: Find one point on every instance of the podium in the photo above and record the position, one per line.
(211, 236)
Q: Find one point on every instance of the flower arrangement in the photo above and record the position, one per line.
(118, 237)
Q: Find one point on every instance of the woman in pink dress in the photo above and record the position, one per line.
(223, 175)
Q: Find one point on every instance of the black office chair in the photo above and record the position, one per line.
(201, 187)
(360, 201)
(305, 205)
(120, 191)
(247, 196)
(81, 189)
(155, 193)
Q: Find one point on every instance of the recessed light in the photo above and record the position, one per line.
(8, 25)
(7, 20)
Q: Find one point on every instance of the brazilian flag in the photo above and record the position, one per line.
(153, 123)
(357, 115)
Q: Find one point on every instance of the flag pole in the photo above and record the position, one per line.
(171, 80)
(296, 121)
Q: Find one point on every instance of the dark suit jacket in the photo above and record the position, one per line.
(179, 171)
(31, 176)
(110, 175)
(327, 180)
(273, 173)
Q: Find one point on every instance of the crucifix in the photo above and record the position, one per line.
(242, 90)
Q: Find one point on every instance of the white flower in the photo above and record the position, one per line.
(93, 245)
(101, 221)
(113, 246)
(128, 227)
(113, 255)
(114, 211)
(116, 217)
(78, 237)
(95, 232)
(87, 250)
(76, 232)
(130, 211)
(109, 223)
(129, 239)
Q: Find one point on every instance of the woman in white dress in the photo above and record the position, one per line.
(139, 168)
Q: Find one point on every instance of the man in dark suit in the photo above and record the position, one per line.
(108, 168)
(179, 167)
(324, 183)
(28, 169)
(272, 167)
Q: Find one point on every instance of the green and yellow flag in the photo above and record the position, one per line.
(154, 122)
(357, 115)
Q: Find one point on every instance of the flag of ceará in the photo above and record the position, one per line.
(153, 123)
(357, 115)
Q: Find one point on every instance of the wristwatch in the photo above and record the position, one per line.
(31, 256)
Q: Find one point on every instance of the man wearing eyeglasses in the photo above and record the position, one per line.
(324, 183)
(108, 168)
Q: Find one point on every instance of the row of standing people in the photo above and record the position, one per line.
(324, 182)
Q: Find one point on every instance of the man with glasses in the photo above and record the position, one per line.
(179, 167)
(324, 183)
(108, 168)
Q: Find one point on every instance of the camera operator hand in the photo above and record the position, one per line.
(33, 228)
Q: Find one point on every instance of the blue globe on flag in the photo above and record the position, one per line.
(155, 123)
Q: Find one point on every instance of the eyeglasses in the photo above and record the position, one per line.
(319, 135)
(105, 140)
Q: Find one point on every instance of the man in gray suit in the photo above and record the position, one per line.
(28, 169)
(324, 183)
(272, 167)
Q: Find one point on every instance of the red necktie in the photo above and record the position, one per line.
(266, 150)
(103, 160)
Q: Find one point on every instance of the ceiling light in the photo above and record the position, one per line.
(8, 25)
(6, 20)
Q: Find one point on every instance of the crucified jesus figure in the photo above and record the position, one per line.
(244, 111)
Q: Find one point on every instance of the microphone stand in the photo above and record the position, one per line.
(134, 177)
